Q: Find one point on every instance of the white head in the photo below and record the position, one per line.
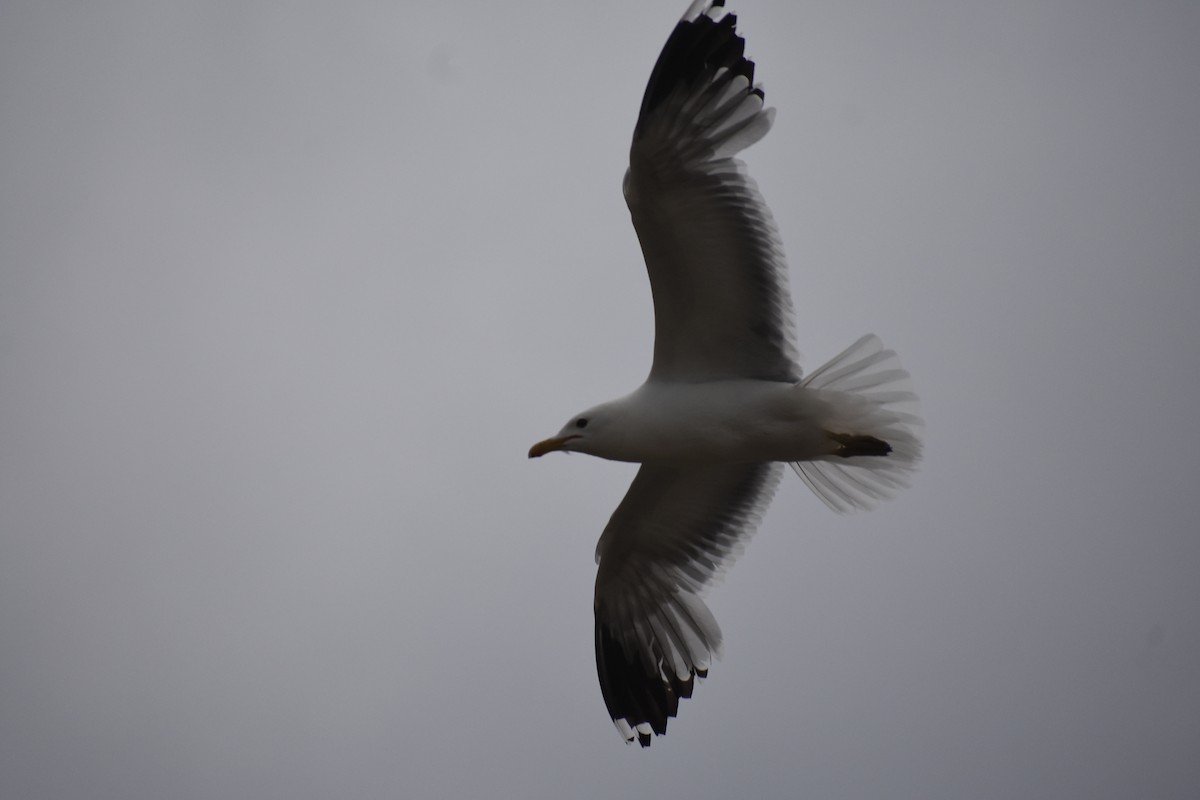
(591, 432)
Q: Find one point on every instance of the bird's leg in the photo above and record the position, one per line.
(850, 445)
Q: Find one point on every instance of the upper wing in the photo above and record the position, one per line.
(721, 303)
(677, 527)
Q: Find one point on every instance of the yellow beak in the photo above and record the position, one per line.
(549, 445)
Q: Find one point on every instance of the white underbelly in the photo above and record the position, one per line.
(730, 421)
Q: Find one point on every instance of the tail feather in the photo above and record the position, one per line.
(872, 398)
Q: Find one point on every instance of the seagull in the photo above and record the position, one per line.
(725, 404)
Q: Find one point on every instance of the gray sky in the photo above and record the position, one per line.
(287, 290)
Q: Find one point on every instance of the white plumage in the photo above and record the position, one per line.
(725, 404)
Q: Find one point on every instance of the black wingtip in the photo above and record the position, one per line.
(633, 692)
(697, 48)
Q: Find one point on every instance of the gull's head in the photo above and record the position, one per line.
(583, 433)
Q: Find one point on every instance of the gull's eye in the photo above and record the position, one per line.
(581, 423)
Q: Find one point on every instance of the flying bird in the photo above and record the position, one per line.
(725, 404)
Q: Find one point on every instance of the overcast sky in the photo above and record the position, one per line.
(288, 289)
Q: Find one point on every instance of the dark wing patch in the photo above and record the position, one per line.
(695, 50)
(633, 694)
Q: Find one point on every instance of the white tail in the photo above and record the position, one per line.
(871, 395)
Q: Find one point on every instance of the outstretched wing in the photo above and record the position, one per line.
(677, 528)
(721, 302)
